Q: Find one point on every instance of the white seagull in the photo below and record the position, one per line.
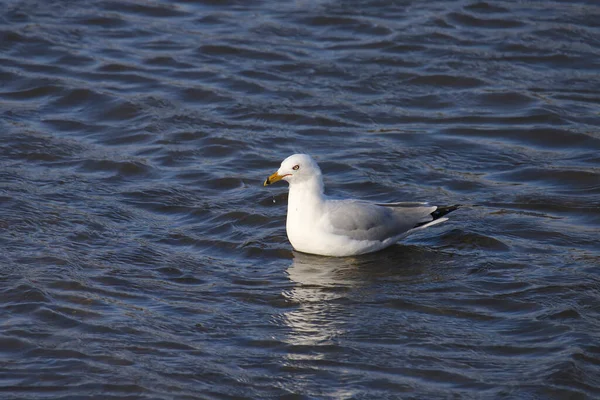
(319, 225)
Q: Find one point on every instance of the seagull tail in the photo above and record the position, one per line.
(437, 216)
(441, 211)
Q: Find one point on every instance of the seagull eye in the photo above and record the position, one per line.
(296, 167)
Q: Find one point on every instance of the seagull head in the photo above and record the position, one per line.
(296, 168)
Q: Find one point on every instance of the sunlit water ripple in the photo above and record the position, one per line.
(142, 258)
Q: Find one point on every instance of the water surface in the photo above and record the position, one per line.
(142, 258)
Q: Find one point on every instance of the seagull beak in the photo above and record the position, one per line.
(273, 178)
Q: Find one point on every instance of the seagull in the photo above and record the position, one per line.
(317, 224)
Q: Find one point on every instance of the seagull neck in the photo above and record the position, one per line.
(309, 188)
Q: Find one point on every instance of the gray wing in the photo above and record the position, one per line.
(368, 221)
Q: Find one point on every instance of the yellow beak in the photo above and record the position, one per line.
(273, 178)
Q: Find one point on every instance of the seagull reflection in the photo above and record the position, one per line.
(329, 291)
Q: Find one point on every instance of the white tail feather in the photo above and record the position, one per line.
(427, 225)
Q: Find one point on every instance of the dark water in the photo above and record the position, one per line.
(142, 258)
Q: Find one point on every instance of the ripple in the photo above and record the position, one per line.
(120, 168)
(81, 98)
(446, 80)
(26, 293)
(203, 96)
(242, 52)
(163, 200)
(41, 148)
(168, 61)
(486, 7)
(506, 99)
(458, 238)
(33, 93)
(143, 258)
(575, 179)
(147, 10)
(539, 137)
(487, 23)
(103, 21)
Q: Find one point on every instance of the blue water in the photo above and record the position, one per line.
(142, 258)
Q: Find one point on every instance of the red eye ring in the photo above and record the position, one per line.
(296, 167)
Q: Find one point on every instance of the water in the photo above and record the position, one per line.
(142, 258)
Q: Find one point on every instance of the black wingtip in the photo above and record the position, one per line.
(441, 211)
